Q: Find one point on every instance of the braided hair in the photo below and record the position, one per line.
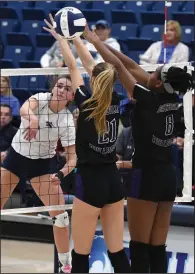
(179, 79)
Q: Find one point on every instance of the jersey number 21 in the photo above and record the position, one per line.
(111, 136)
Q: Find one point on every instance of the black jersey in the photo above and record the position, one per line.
(92, 148)
(154, 119)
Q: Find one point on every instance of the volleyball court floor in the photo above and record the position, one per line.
(26, 257)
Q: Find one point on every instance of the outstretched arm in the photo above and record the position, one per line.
(125, 77)
(68, 56)
(84, 54)
(138, 73)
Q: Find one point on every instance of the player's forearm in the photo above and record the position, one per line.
(136, 71)
(106, 54)
(128, 62)
(67, 54)
(83, 53)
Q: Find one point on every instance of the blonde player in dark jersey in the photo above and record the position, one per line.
(98, 187)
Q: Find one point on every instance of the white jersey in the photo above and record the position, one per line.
(52, 127)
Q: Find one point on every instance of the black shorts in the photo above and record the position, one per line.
(98, 185)
(153, 182)
(26, 168)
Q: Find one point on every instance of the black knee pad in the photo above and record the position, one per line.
(158, 259)
(139, 256)
(80, 263)
(119, 261)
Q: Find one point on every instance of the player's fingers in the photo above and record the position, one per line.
(31, 134)
(86, 27)
(55, 181)
(48, 24)
(53, 176)
(51, 17)
(26, 134)
(47, 29)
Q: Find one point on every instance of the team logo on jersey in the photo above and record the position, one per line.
(49, 124)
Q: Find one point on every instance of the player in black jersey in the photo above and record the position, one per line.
(153, 187)
(98, 186)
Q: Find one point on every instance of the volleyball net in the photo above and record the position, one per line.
(35, 80)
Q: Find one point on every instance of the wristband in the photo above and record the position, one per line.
(60, 175)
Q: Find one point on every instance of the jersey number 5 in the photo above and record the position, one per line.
(111, 136)
(169, 125)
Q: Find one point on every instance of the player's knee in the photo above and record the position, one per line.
(61, 220)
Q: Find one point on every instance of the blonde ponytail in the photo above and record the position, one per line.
(102, 89)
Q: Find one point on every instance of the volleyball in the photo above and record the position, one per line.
(69, 22)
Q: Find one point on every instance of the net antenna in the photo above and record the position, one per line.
(188, 117)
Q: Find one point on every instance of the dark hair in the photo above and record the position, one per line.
(6, 106)
(179, 79)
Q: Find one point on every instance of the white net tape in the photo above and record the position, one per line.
(35, 209)
(61, 71)
(188, 141)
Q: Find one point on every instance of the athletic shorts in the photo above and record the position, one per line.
(26, 168)
(153, 182)
(98, 185)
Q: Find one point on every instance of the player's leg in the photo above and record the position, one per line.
(91, 192)
(51, 194)
(112, 219)
(84, 221)
(12, 168)
(167, 186)
(141, 216)
(8, 183)
(158, 256)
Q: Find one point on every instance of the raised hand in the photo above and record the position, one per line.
(90, 36)
(51, 28)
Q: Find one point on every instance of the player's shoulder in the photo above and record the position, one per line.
(141, 87)
(66, 117)
(66, 112)
(82, 90)
(42, 96)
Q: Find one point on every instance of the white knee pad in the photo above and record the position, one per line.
(61, 220)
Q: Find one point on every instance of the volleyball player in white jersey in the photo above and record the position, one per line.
(44, 120)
